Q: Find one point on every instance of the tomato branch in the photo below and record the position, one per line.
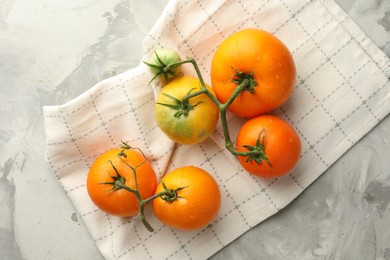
(142, 204)
(119, 182)
(244, 81)
(125, 146)
(168, 194)
(204, 89)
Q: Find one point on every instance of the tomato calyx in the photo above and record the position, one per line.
(118, 181)
(170, 195)
(256, 152)
(165, 63)
(183, 106)
(239, 78)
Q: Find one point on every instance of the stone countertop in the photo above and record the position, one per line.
(52, 51)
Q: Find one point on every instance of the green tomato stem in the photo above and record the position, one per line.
(245, 83)
(223, 108)
(143, 218)
(135, 192)
(141, 203)
(166, 193)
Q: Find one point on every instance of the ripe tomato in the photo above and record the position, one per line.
(189, 123)
(263, 58)
(278, 140)
(197, 203)
(120, 202)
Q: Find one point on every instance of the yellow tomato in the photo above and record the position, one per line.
(186, 122)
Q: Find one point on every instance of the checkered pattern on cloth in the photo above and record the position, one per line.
(342, 92)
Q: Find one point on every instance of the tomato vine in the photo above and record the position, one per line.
(119, 182)
(244, 81)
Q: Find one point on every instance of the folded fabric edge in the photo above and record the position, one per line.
(55, 114)
(132, 72)
(356, 32)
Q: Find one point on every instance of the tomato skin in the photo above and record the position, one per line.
(161, 58)
(198, 203)
(198, 124)
(258, 52)
(282, 146)
(120, 202)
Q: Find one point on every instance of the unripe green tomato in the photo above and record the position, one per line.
(163, 57)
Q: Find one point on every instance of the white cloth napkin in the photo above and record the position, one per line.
(342, 92)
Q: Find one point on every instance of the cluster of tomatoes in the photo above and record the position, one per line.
(122, 182)
(252, 73)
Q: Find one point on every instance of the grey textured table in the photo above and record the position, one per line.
(52, 51)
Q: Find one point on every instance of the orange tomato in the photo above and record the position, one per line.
(120, 202)
(197, 203)
(280, 143)
(258, 55)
